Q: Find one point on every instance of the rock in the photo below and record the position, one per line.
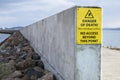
(13, 79)
(8, 48)
(7, 79)
(5, 69)
(33, 74)
(27, 48)
(48, 76)
(18, 49)
(18, 79)
(46, 71)
(34, 63)
(23, 56)
(11, 57)
(11, 51)
(12, 46)
(3, 46)
(25, 44)
(5, 55)
(17, 42)
(38, 69)
(1, 51)
(1, 56)
(13, 75)
(40, 64)
(3, 60)
(12, 62)
(18, 60)
(24, 64)
(25, 77)
(16, 74)
(36, 57)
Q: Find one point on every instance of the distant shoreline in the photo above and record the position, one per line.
(111, 28)
(118, 49)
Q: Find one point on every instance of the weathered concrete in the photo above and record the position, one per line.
(88, 62)
(110, 64)
(54, 39)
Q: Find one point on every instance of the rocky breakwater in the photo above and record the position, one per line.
(19, 61)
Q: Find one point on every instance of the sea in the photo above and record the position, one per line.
(110, 38)
(3, 37)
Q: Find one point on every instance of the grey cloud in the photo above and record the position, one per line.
(7, 4)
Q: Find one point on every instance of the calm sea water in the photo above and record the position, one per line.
(111, 38)
(3, 37)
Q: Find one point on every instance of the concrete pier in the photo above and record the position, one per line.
(54, 38)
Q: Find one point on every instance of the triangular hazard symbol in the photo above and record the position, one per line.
(89, 14)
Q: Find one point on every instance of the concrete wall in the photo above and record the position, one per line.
(87, 62)
(54, 39)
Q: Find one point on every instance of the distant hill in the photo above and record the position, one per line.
(111, 28)
(14, 28)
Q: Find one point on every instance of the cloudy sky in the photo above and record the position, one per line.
(24, 12)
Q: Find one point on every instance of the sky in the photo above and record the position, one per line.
(24, 12)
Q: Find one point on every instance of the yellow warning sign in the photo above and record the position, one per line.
(88, 25)
(89, 14)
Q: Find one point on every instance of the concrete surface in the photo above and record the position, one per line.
(54, 39)
(110, 64)
(88, 62)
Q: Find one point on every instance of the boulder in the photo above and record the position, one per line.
(33, 74)
(6, 69)
(18, 60)
(35, 56)
(24, 64)
(48, 76)
(40, 64)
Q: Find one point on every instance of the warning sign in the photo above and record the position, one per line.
(89, 14)
(88, 26)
